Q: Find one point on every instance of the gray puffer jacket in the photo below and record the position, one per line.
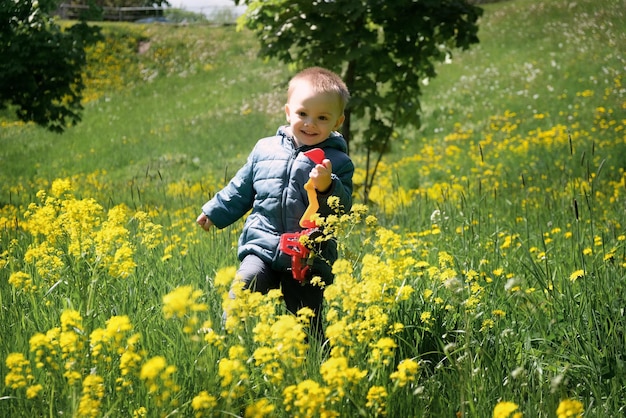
(271, 183)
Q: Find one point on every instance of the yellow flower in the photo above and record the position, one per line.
(498, 313)
(19, 371)
(306, 399)
(210, 336)
(182, 301)
(260, 409)
(203, 404)
(150, 233)
(281, 344)
(93, 392)
(426, 318)
(122, 264)
(383, 351)
(577, 275)
(317, 281)
(152, 368)
(487, 325)
(46, 346)
(22, 281)
(140, 412)
(610, 256)
(33, 391)
(233, 369)
(71, 319)
(406, 372)
(108, 341)
(506, 409)
(47, 260)
(570, 408)
(376, 398)
(225, 276)
(159, 379)
(339, 376)
(60, 187)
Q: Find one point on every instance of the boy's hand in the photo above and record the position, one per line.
(204, 221)
(320, 176)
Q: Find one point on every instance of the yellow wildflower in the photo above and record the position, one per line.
(225, 276)
(487, 325)
(22, 281)
(259, 409)
(19, 371)
(376, 400)
(406, 372)
(306, 399)
(427, 318)
(339, 376)
(33, 391)
(140, 412)
(382, 351)
(505, 409)
(203, 404)
(577, 275)
(569, 408)
(182, 301)
(498, 313)
(93, 392)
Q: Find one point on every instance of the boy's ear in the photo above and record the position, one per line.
(339, 121)
(287, 112)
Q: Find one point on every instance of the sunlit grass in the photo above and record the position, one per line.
(485, 279)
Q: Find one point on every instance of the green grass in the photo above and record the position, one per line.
(189, 117)
(534, 57)
(498, 260)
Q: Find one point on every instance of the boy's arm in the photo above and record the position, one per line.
(232, 202)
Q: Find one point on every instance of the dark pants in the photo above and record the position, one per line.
(260, 277)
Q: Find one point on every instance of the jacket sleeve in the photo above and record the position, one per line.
(233, 201)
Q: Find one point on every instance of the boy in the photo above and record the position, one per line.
(271, 183)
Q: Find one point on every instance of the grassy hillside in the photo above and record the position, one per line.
(486, 278)
(198, 97)
(195, 100)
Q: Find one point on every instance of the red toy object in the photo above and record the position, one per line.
(290, 242)
(316, 155)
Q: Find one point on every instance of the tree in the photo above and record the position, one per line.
(381, 48)
(41, 66)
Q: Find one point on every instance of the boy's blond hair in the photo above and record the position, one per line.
(322, 81)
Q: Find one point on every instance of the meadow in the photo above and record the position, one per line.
(486, 277)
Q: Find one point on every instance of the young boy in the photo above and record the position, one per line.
(271, 183)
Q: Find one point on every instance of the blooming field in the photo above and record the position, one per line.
(486, 278)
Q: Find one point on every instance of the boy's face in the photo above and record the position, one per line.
(312, 116)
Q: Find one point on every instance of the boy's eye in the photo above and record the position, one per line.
(324, 118)
(301, 113)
